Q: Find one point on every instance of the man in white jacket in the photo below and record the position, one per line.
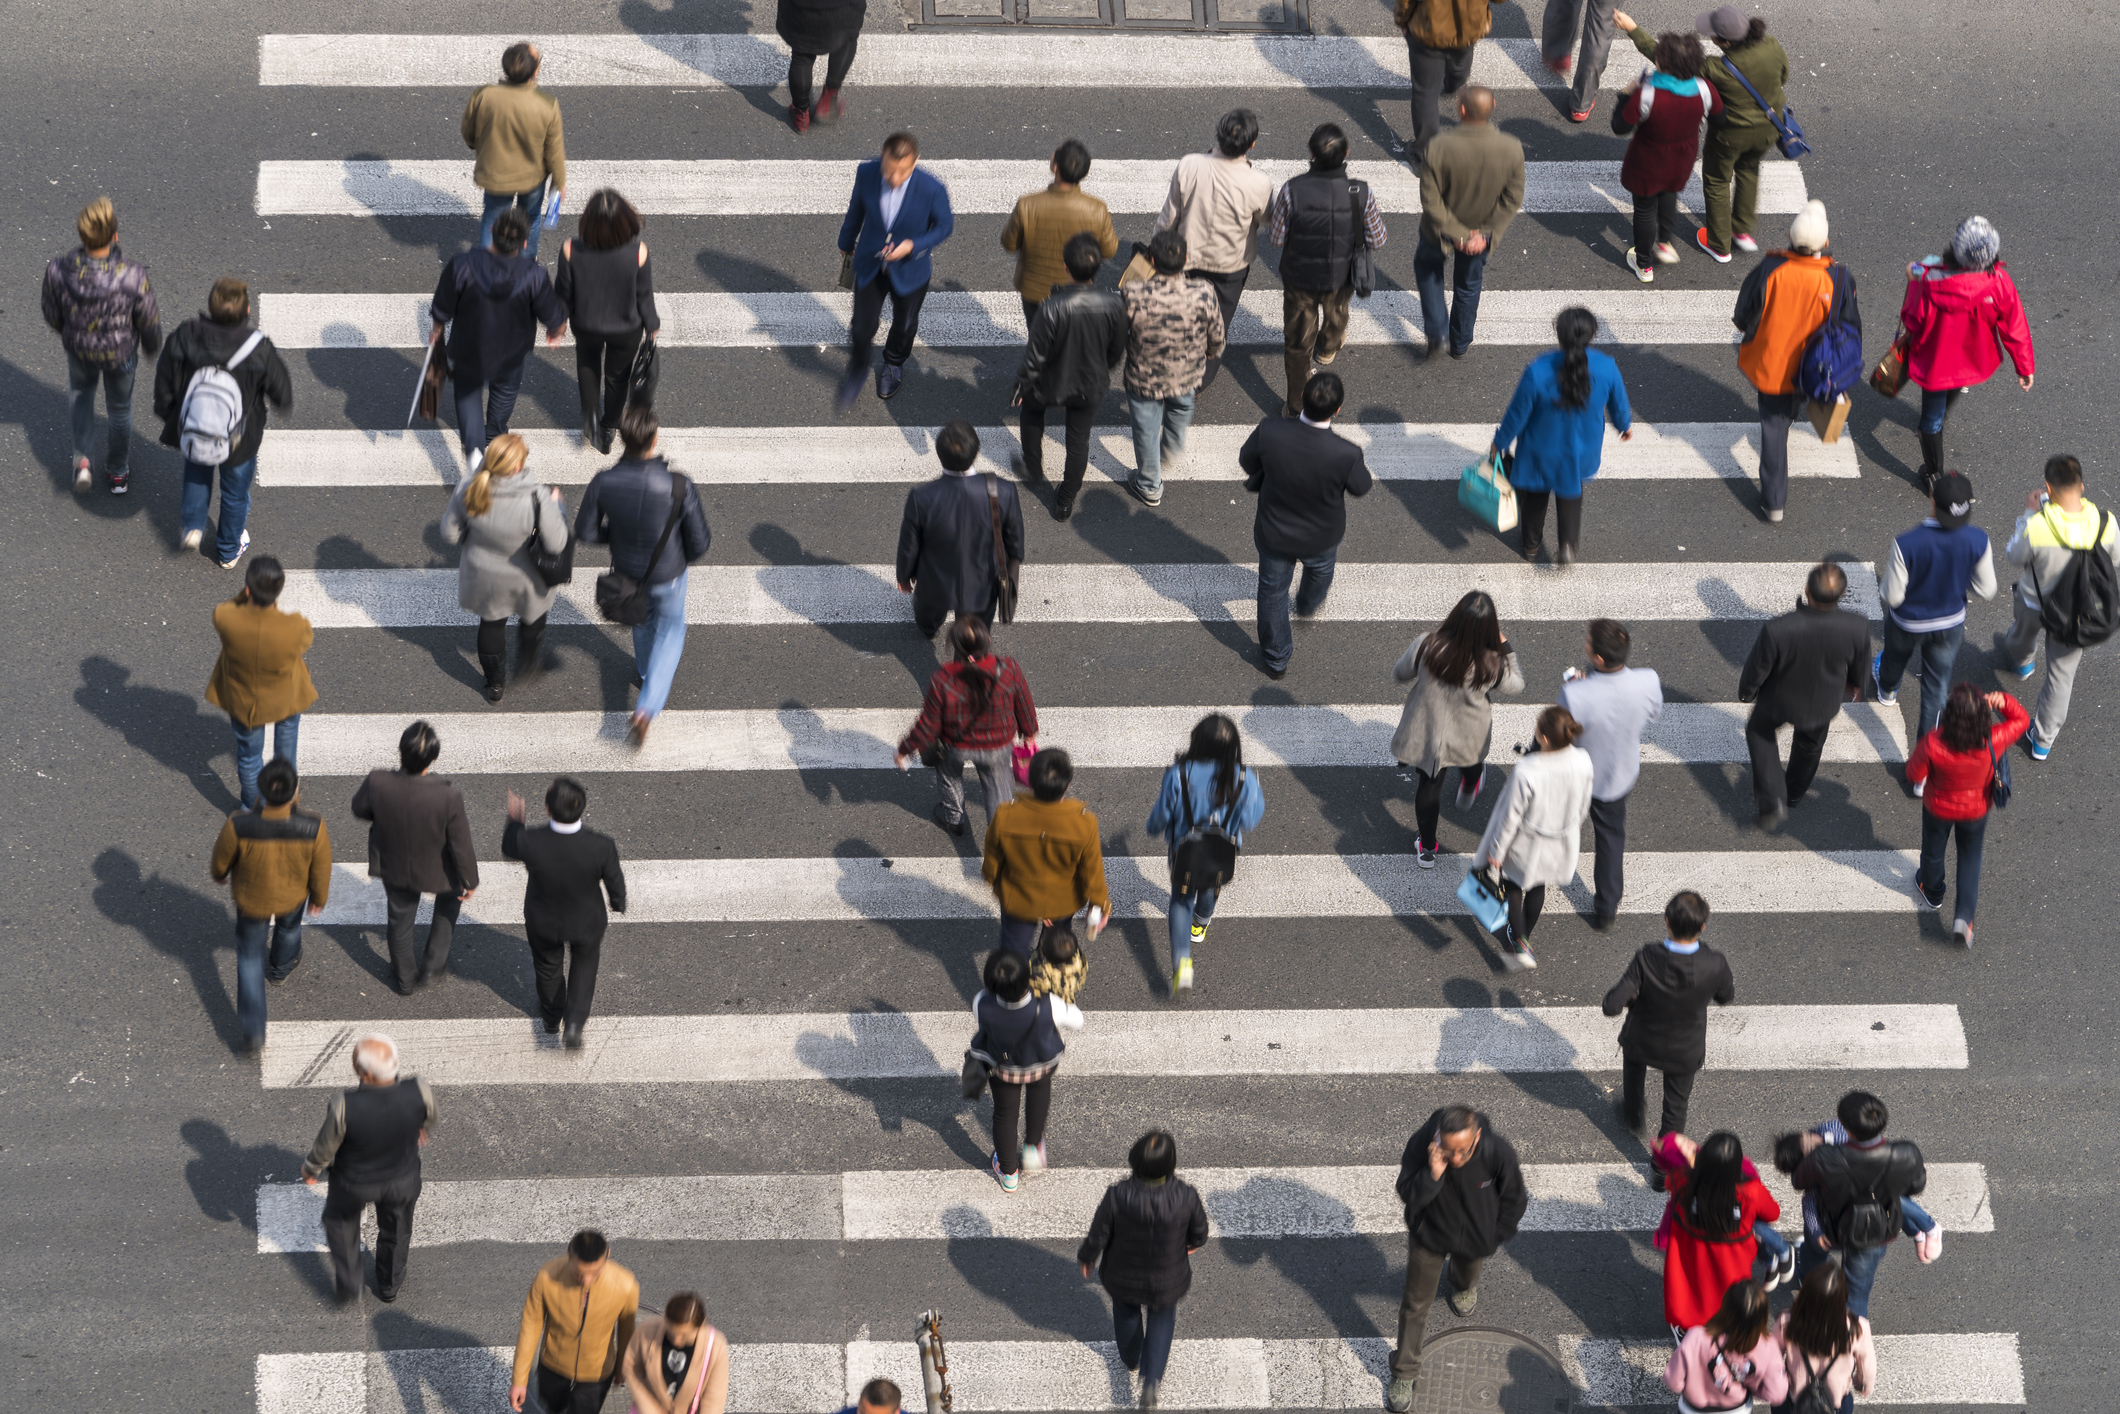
(1615, 704)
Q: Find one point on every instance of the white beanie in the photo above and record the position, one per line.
(1808, 231)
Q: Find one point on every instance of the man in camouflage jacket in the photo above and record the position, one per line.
(1173, 327)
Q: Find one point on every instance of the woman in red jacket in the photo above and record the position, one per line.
(1663, 110)
(1951, 768)
(974, 710)
(1715, 1199)
(1961, 311)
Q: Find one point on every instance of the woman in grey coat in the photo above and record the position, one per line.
(1534, 837)
(1449, 713)
(493, 515)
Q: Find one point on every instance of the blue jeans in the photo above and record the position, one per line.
(1936, 404)
(81, 380)
(533, 204)
(235, 502)
(1159, 423)
(1935, 837)
(659, 643)
(1467, 273)
(253, 966)
(1144, 1334)
(1938, 649)
(1185, 910)
(1860, 1263)
(1772, 1243)
(476, 430)
(250, 753)
(1276, 572)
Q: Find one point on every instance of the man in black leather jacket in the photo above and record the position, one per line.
(1076, 340)
(1803, 666)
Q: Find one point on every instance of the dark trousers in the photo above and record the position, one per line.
(1032, 426)
(564, 992)
(408, 963)
(477, 425)
(868, 315)
(1313, 327)
(1019, 935)
(1229, 292)
(1608, 826)
(1453, 318)
(265, 947)
(929, 615)
(1655, 220)
(1937, 651)
(1634, 1095)
(1428, 798)
(1936, 837)
(1036, 1101)
(1531, 520)
(1143, 1334)
(1594, 19)
(529, 638)
(1435, 72)
(561, 1395)
(1423, 1270)
(1776, 412)
(1525, 905)
(802, 70)
(1276, 572)
(1771, 785)
(603, 367)
(393, 1232)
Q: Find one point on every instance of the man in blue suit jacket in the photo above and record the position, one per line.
(897, 216)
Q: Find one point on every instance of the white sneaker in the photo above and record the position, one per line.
(83, 477)
(242, 548)
(1919, 786)
(1929, 1245)
(1034, 1158)
(1745, 243)
(1964, 933)
(1666, 253)
(1646, 273)
(193, 539)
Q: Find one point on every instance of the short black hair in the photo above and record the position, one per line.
(1082, 255)
(264, 579)
(638, 428)
(1237, 131)
(519, 62)
(1826, 583)
(1609, 641)
(418, 747)
(1057, 943)
(588, 1245)
(1007, 975)
(957, 445)
(1166, 251)
(1788, 1152)
(1685, 916)
(1322, 396)
(277, 781)
(1154, 1155)
(1456, 1119)
(1863, 1115)
(901, 144)
(565, 800)
(511, 231)
(1328, 146)
(1051, 773)
(2064, 472)
(1071, 161)
(881, 1393)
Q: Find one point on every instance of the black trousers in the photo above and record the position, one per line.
(1608, 826)
(564, 992)
(1655, 220)
(493, 638)
(1229, 291)
(1531, 520)
(1032, 427)
(1777, 411)
(561, 1395)
(868, 315)
(1525, 905)
(929, 615)
(1428, 798)
(1434, 73)
(603, 367)
(401, 907)
(393, 1232)
(1036, 1100)
(1771, 785)
(802, 70)
(1634, 1096)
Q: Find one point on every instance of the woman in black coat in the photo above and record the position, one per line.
(1144, 1234)
(811, 28)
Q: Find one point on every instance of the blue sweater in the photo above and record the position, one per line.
(1558, 448)
(1168, 817)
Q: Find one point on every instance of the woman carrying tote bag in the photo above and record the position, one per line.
(677, 1363)
(1557, 421)
(1534, 837)
(1206, 788)
(494, 516)
(1455, 672)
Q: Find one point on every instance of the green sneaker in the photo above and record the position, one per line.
(1399, 1397)
(1463, 1302)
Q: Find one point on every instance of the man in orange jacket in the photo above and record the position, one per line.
(1783, 302)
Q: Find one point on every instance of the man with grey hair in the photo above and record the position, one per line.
(370, 1146)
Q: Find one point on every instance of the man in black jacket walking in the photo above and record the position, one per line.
(1464, 1195)
(946, 541)
(369, 1145)
(1302, 472)
(1321, 221)
(1803, 666)
(1665, 992)
(1141, 1243)
(1077, 338)
(489, 301)
(571, 868)
(419, 842)
(213, 340)
(1857, 1186)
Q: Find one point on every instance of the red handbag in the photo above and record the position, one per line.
(1020, 762)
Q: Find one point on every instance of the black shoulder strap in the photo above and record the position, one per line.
(679, 489)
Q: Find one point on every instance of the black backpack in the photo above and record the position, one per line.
(1871, 1217)
(2082, 608)
(1814, 1397)
(1205, 856)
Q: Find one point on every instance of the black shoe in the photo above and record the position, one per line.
(1276, 673)
(1603, 924)
(495, 668)
(888, 379)
(386, 1296)
(1773, 819)
(552, 1025)
(1656, 1175)
(605, 436)
(1024, 472)
(961, 828)
(276, 978)
(1433, 352)
(251, 1045)
(343, 1298)
(572, 1038)
(1460, 353)
(1064, 508)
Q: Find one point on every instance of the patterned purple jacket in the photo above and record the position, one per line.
(103, 309)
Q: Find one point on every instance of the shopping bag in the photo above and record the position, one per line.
(1890, 374)
(1138, 269)
(1829, 418)
(1481, 893)
(1484, 490)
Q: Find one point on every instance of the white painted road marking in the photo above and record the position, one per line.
(1922, 1369)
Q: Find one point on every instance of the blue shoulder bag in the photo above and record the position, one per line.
(1789, 137)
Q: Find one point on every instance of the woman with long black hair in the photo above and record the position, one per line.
(1556, 421)
(1716, 1197)
(1455, 672)
(608, 288)
(1823, 1341)
(1207, 785)
(974, 709)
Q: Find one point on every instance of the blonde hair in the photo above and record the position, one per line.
(97, 223)
(505, 456)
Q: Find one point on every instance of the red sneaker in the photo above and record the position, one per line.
(1582, 115)
(799, 118)
(831, 106)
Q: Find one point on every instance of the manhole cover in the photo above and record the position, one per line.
(1481, 1370)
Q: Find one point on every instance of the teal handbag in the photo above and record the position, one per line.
(1484, 490)
(1481, 893)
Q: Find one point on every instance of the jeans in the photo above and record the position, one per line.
(1634, 1095)
(1159, 431)
(117, 381)
(1936, 836)
(1467, 271)
(1608, 829)
(1036, 1100)
(1936, 405)
(802, 71)
(1729, 181)
(564, 993)
(561, 1395)
(235, 503)
(868, 315)
(1032, 427)
(250, 753)
(401, 915)
(1313, 326)
(1938, 649)
(1558, 32)
(603, 368)
(659, 643)
(1531, 520)
(2018, 648)
(1276, 643)
(997, 776)
(476, 427)
(1655, 221)
(1434, 73)
(394, 1203)
(1144, 1334)
(1860, 1264)
(253, 965)
(1771, 785)
(1428, 799)
(1776, 412)
(1423, 1270)
(1186, 909)
(533, 204)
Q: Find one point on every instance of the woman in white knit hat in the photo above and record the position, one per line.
(1961, 311)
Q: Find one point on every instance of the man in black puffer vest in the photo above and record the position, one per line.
(370, 1147)
(1321, 221)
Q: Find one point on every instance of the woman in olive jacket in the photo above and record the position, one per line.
(1141, 1242)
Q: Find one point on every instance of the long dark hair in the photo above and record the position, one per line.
(1466, 651)
(1819, 1323)
(1575, 327)
(1710, 1199)
(1215, 739)
(1965, 721)
(1741, 1319)
(608, 221)
(968, 637)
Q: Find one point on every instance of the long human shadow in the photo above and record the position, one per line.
(1361, 105)
(42, 411)
(444, 234)
(1357, 1266)
(1116, 529)
(224, 1175)
(1042, 1289)
(175, 729)
(452, 656)
(779, 548)
(440, 1368)
(931, 1103)
(182, 924)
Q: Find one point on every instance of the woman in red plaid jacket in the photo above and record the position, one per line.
(974, 710)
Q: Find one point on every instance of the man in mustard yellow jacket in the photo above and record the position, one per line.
(582, 1307)
(1044, 856)
(260, 679)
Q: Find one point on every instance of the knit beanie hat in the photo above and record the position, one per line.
(1808, 231)
(1724, 23)
(1976, 244)
(1953, 499)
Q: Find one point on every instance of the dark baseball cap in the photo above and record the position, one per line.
(1953, 499)
(1725, 23)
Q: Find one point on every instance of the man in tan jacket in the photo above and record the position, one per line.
(582, 1308)
(276, 860)
(1217, 204)
(1471, 189)
(260, 679)
(514, 126)
(1439, 39)
(1045, 221)
(1044, 856)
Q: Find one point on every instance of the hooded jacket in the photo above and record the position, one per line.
(1666, 995)
(1469, 1211)
(1784, 299)
(262, 377)
(1958, 323)
(1077, 339)
(101, 307)
(1959, 788)
(493, 304)
(1141, 1239)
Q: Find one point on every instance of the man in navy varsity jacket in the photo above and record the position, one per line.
(896, 218)
(1931, 571)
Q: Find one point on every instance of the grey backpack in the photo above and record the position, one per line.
(212, 414)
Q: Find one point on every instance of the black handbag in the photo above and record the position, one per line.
(553, 569)
(622, 599)
(647, 371)
(972, 1080)
(1206, 857)
(1998, 786)
(1006, 570)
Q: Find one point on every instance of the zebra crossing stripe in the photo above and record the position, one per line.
(1911, 1369)
(756, 456)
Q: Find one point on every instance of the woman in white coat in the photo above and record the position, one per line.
(1535, 835)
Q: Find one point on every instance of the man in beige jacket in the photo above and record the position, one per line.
(514, 126)
(581, 1310)
(1217, 204)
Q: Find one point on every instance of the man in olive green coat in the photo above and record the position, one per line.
(1045, 221)
(514, 126)
(260, 679)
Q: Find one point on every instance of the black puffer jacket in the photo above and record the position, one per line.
(1077, 341)
(493, 304)
(1140, 1239)
(262, 377)
(1469, 1211)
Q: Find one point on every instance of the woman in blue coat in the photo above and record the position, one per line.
(1208, 782)
(1557, 421)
